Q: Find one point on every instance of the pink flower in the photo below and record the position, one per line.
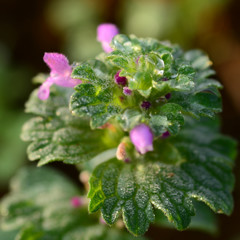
(105, 34)
(60, 74)
(142, 138)
(76, 202)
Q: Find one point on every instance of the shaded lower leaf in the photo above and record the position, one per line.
(38, 207)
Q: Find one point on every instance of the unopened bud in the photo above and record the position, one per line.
(165, 135)
(120, 80)
(142, 138)
(146, 105)
(127, 91)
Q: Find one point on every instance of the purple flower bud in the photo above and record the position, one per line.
(60, 74)
(165, 135)
(120, 80)
(168, 96)
(142, 138)
(164, 79)
(105, 33)
(127, 91)
(76, 202)
(121, 98)
(127, 160)
(146, 105)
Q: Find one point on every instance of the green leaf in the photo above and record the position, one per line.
(57, 135)
(181, 83)
(158, 124)
(169, 118)
(59, 97)
(28, 201)
(203, 104)
(122, 43)
(48, 214)
(154, 69)
(98, 232)
(84, 72)
(130, 118)
(93, 71)
(92, 102)
(140, 81)
(201, 172)
(198, 59)
(204, 220)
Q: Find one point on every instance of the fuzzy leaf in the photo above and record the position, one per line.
(204, 220)
(201, 172)
(57, 135)
(38, 208)
(169, 118)
(202, 104)
(88, 101)
(93, 71)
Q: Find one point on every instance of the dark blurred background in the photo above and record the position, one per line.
(30, 28)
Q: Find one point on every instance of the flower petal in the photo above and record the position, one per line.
(142, 138)
(105, 33)
(106, 47)
(66, 81)
(58, 63)
(44, 90)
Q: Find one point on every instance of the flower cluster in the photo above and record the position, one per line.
(60, 74)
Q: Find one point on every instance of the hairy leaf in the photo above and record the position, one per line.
(204, 220)
(56, 135)
(39, 208)
(93, 102)
(202, 172)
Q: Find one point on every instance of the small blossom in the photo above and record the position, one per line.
(142, 137)
(76, 202)
(127, 91)
(165, 135)
(146, 105)
(127, 160)
(60, 74)
(164, 79)
(168, 96)
(120, 80)
(102, 221)
(105, 34)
